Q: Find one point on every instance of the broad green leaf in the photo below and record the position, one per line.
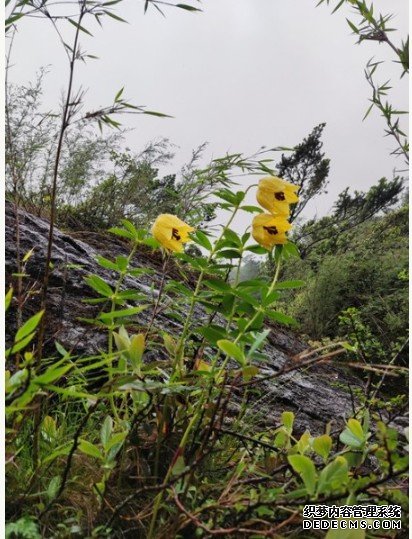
(249, 372)
(229, 253)
(304, 443)
(290, 250)
(322, 445)
(89, 449)
(136, 349)
(122, 232)
(257, 250)
(282, 318)
(28, 327)
(306, 469)
(353, 435)
(218, 284)
(233, 237)
(288, 419)
(178, 466)
(106, 431)
(122, 262)
(202, 240)
(355, 426)
(53, 487)
(232, 350)
(212, 333)
(334, 476)
(99, 285)
(52, 374)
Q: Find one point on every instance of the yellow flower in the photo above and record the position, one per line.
(171, 232)
(270, 230)
(275, 195)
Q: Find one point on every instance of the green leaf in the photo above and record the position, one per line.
(136, 349)
(53, 487)
(106, 431)
(289, 284)
(353, 27)
(249, 372)
(227, 195)
(257, 249)
(121, 232)
(290, 250)
(28, 327)
(233, 237)
(108, 317)
(251, 209)
(89, 449)
(187, 7)
(229, 253)
(288, 419)
(260, 338)
(355, 426)
(218, 284)
(212, 333)
(282, 318)
(158, 114)
(340, 3)
(8, 298)
(322, 445)
(116, 18)
(52, 374)
(334, 476)
(99, 285)
(13, 18)
(106, 263)
(367, 112)
(353, 435)
(306, 469)
(178, 466)
(20, 345)
(79, 27)
(202, 240)
(232, 350)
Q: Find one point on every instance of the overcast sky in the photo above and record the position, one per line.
(240, 75)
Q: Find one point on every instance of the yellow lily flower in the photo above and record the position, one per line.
(171, 232)
(270, 230)
(275, 195)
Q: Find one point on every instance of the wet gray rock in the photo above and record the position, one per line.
(316, 395)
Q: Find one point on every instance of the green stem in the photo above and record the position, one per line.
(180, 346)
(111, 328)
(251, 321)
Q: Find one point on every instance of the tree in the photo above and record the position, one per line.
(307, 168)
(349, 212)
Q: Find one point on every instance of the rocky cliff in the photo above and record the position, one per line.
(317, 395)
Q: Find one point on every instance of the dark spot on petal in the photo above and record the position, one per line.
(271, 230)
(175, 234)
(280, 196)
